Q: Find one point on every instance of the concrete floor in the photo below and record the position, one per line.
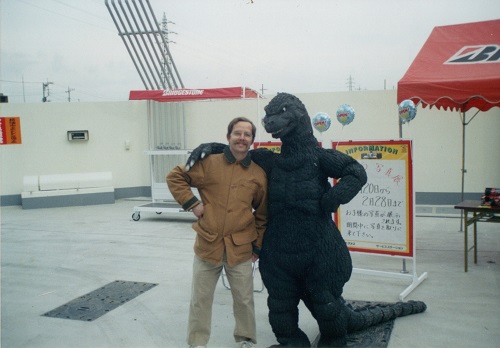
(52, 256)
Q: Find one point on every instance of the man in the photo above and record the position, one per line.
(232, 217)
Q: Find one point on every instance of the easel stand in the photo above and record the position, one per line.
(379, 220)
(413, 277)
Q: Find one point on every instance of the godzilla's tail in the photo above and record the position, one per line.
(370, 315)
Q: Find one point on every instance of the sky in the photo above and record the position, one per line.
(294, 46)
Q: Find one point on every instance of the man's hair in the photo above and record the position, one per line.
(240, 119)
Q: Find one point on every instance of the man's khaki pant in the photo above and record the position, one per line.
(205, 277)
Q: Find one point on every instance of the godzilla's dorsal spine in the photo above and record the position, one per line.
(370, 315)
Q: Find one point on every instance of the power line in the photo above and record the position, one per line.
(83, 11)
(66, 16)
(22, 81)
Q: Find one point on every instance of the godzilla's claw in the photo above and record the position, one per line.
(202, 151)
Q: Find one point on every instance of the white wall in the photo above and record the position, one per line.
(437, 137)
(45, 148)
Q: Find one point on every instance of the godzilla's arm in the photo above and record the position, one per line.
(352, 177)
(203, 150)
(264, 158)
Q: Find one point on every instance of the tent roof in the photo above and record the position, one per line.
(185, 94)
(457, 68)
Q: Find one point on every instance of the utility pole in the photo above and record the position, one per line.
(262, 89)
(24, 94)
(166, 61)
(69, 93)
(46, 91)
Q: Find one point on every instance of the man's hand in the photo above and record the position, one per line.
(198, 210)
(203, 150)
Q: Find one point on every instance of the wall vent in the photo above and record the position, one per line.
(78, 135)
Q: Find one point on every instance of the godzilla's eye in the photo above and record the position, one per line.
(284, 109)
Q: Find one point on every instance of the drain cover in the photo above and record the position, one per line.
(100, 301)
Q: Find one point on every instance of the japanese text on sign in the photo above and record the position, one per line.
(10, 130)
(377, 219)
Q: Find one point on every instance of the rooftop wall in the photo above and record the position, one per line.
(436, 135)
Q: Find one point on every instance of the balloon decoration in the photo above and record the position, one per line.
(407, 110)
(345, 114)
(321, 122)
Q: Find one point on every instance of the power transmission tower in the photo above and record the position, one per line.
(350, 83)
(167, 63)
(46, 91)
(145, 43)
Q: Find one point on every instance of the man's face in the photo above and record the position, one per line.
(240, 138)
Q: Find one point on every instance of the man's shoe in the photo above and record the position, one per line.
(246, 344)
(197, 346)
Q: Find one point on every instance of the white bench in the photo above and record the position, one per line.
(60, 190)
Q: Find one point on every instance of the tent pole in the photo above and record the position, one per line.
(400, 128)
(463, 154)
(463, 166)
(403, 270)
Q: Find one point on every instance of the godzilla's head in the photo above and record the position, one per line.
(286, 116)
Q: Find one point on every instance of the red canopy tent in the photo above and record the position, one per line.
(458, 68)
(185, 94)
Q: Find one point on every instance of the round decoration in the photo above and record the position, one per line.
(407, 110)
(345, 114)
(321, 122)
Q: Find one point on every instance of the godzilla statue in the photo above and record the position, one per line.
(304, 256)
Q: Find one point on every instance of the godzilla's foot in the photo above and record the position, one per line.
(332, 342)
(298, 340)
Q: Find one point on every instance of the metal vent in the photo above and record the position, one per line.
(100, 301)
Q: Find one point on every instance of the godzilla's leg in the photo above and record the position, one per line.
(284, 319)
(325, 283)
(332, 320)
(283, 303)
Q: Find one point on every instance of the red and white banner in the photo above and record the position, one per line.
(185, 94)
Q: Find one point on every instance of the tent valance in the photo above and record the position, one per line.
(186, 94)
(457, 68)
